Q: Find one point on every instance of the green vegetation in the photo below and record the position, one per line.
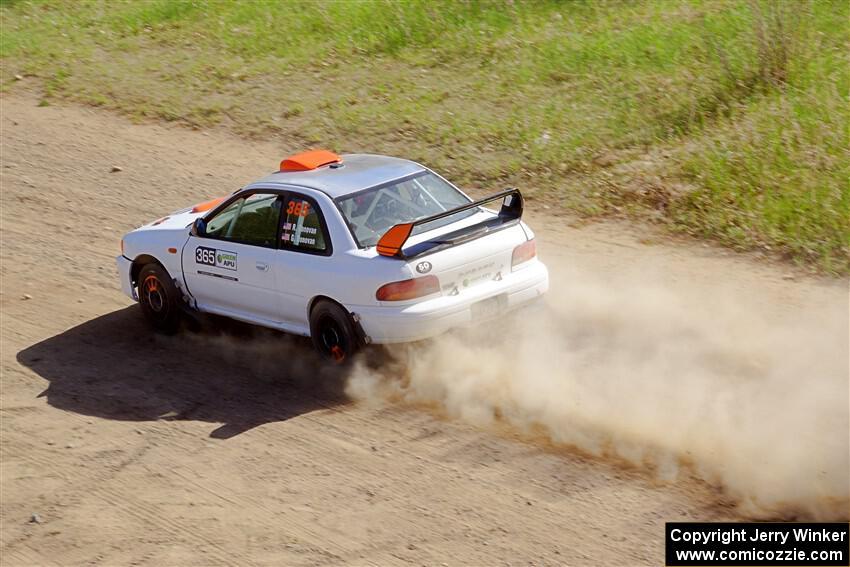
(724, 119)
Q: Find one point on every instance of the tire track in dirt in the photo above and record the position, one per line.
(95, 486)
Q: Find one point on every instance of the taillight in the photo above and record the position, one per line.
(408, 289)
(524, 252)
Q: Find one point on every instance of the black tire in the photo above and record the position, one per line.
(158, 298)
(332, 332)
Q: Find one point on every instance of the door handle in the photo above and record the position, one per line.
(262, 266)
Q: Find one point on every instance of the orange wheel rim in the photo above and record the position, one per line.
(152, 295)
(337, 354)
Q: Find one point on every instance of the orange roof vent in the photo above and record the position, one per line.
(306, 161)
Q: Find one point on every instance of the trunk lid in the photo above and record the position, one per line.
(470, 263)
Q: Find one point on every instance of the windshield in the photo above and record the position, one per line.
(372, 212)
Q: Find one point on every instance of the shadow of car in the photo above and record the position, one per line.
(238, 375)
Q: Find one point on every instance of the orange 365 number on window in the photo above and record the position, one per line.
(298, 208)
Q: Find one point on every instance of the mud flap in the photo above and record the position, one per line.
(362, 338)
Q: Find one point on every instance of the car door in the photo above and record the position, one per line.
(304, 259)
(228, 269)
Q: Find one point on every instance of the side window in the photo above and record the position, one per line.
(249, 220)
(302, 228)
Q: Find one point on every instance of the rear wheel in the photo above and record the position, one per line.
(158, 298)
(332, 332)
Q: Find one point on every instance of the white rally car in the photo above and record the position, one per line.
(347, 250)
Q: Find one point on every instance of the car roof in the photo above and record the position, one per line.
(355, 173)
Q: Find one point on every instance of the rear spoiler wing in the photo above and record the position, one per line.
(392, 242)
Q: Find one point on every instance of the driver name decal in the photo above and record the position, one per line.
(216, 258)
(295, 233)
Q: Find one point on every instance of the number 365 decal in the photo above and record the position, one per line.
(298, 208)
(217, 258)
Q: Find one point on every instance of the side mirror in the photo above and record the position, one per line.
(199, 227)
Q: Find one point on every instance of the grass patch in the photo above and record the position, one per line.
(725, 119)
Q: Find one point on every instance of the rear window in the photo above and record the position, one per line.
(372, 212)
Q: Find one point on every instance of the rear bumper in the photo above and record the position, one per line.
(124, 266)
(426, 319)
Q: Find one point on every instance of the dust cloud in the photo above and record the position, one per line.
(696, 381)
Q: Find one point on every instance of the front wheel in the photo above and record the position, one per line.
(332, 332)
(158, 298)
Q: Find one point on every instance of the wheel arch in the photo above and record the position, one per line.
(317, 298)
(353, 318)
(140, 262)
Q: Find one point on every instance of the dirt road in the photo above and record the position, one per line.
(133, 449)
